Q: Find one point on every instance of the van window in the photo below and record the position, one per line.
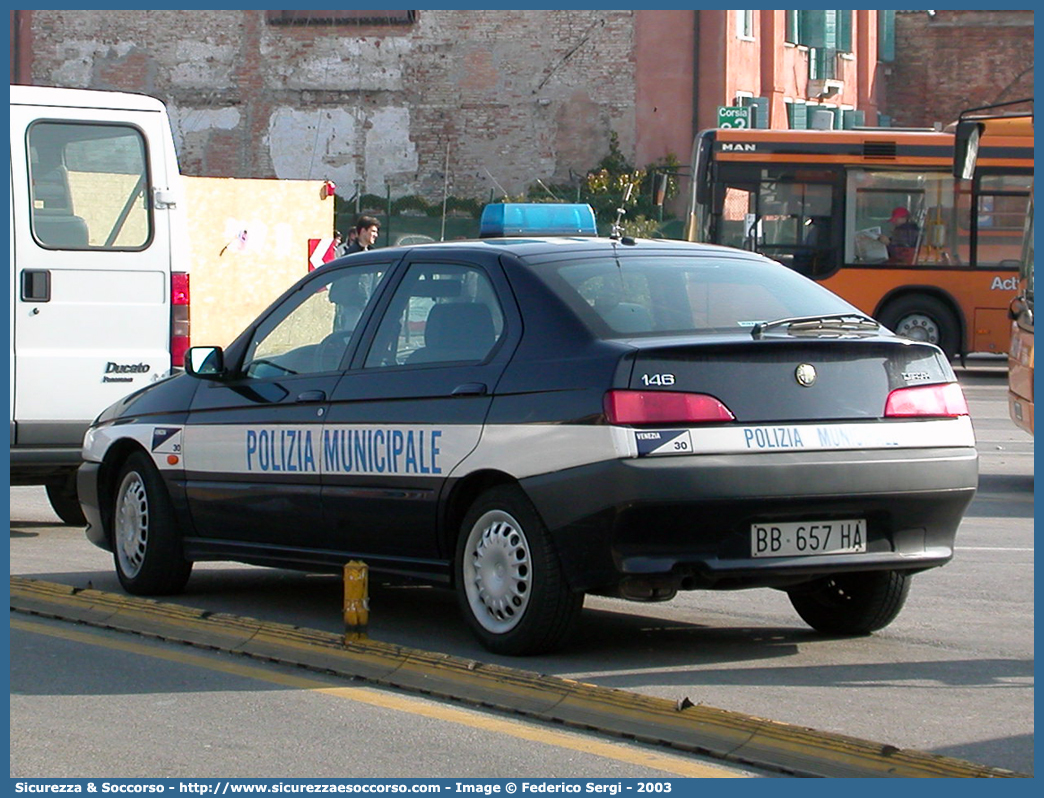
(89, 186)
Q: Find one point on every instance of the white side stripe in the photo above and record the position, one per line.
(521, 450)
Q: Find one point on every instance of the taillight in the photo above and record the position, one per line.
(664, 407)
(179, 317)
(946, 401)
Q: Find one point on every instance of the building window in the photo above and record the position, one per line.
(345, 17)
(745, 24)
(822, 63)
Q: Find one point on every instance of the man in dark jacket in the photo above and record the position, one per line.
(366, 231)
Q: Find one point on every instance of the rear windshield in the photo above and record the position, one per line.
(676, 294)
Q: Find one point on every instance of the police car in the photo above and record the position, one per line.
(528, 419)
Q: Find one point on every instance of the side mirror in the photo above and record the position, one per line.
(966, 148)
(205, 362)
(1021, 311)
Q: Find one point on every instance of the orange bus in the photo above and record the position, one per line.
(877, 216)
(972, 127)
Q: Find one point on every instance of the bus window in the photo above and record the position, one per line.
(795, 224)
(877, 201)
(736, 213)
(1000, 218)
(788, 221)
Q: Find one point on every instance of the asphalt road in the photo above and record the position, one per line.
(952, 675)
(90, 703)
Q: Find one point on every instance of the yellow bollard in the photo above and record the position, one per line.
(356, 601)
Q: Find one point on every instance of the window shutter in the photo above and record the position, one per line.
(853, 119)
(819, 28)
(793, 25)
(797, 115)
(844, 31)
(762, 113)
(830, 29)
(759, 112)
(813, 28)
(886, 35)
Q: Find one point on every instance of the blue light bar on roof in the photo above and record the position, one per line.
(536, 219)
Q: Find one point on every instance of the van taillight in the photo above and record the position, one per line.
(664, 407)
(179, 317)
(931, 401)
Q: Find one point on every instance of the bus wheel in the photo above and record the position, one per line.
(922, 318)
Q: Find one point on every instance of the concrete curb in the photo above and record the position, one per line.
(730, 736)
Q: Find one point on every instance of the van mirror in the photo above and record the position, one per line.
(205, 362)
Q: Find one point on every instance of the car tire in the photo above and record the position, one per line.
(61, 493)
(510, 583)
(923, 318)
(145, 542)
(852, 604)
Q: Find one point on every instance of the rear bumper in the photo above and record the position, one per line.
(684, 522)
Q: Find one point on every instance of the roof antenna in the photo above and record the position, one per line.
(549, 191)
(617, 230)
(445, 194)
(495, 183)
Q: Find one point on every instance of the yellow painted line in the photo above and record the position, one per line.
(677, 766)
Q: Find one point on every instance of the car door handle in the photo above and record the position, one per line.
(311, 396)
(470, 389)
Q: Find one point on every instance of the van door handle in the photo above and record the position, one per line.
(470, 389)
(311, 396)
(36, 285)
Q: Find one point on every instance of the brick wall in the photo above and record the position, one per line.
(505, 97)
(956, 60)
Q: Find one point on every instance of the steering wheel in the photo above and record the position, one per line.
(331, 350)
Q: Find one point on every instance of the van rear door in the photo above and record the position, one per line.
(91, 256)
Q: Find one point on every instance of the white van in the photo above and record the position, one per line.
(99, 270)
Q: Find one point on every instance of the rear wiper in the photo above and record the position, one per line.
(836, 323)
